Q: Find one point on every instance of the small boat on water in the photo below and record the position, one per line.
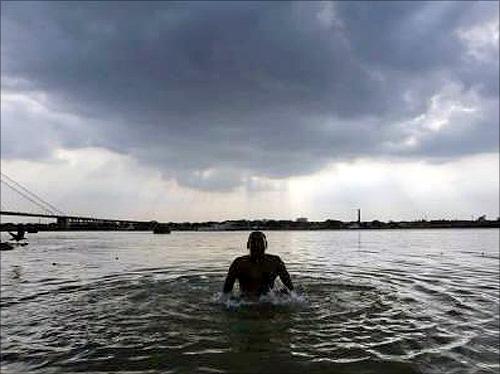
(4, 246)
(161, 228)
(18, 236)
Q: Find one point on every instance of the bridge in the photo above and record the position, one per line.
(65, 221)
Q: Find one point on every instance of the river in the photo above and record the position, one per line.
(386, 301)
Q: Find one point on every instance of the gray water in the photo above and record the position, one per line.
(423, 301)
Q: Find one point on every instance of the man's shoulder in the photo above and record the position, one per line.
(241, 259)
(268, 257)
(273, 258)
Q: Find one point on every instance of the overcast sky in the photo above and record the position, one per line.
(213, 111)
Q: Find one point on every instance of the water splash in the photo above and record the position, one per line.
(273, 298)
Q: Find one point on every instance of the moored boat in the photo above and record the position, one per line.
(6, 246)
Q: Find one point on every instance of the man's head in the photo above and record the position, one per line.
(257, 243)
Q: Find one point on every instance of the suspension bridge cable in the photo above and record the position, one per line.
(28, 198)
(33, 195)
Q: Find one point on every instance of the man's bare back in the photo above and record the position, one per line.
(256, 274)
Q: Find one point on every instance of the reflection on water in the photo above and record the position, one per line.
(366, 302)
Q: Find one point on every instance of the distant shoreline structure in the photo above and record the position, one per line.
(272, 225)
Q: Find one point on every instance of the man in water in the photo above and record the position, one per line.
(256, 272)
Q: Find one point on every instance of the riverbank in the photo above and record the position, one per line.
(270, 225)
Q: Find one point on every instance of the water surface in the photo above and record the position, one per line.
(414, 301)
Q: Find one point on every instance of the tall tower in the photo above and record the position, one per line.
(359, 215)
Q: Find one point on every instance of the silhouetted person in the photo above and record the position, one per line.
(256, 272)
(20, 233)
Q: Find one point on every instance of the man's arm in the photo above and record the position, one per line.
(283, 274)
(232, 274)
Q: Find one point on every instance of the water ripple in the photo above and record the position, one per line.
(400, 313)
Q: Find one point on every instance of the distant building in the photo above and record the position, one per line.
(301, 220)
(217, 226)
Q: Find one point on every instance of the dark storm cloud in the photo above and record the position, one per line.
(213, 93)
